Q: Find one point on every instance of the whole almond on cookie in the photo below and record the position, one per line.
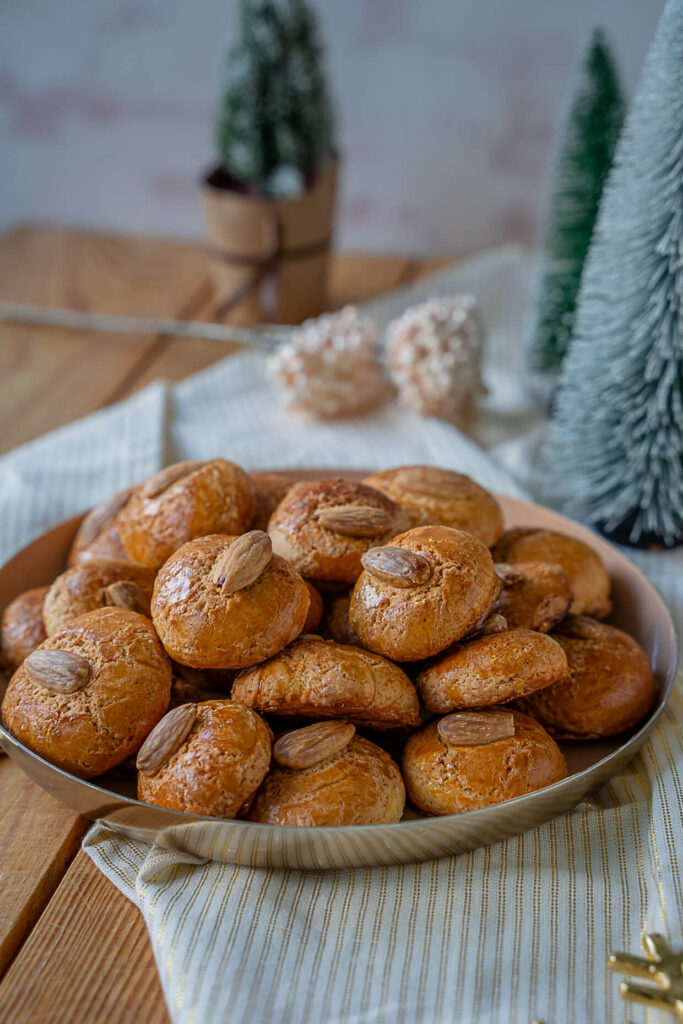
(127, 595)
(354, 520)
(397, 567)
(165, 738)
(305, 747)
(242, 563)
(59, 671)
(476, 728)
(170, 475)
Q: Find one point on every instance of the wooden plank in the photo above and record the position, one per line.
(353, 278)
(38, 838)
(87, 961)
(49, 377)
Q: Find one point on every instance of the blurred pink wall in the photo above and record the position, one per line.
(447, 110)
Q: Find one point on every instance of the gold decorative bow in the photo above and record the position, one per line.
(660, 965)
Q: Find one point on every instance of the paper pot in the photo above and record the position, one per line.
(268, 257)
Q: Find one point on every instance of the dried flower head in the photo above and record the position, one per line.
(330, 367)
(434, 355)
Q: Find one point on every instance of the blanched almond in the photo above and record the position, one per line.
(242, 563)
(165, 738)
(170, 475)
(397, 567)
(59, 671)
(354, 520)
(127, 595)
(476, 728)
(312, 744)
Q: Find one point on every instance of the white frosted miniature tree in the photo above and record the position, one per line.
(615, 450)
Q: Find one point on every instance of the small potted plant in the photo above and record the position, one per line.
(269, 203)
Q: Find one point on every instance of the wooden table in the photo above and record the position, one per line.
(73, 950)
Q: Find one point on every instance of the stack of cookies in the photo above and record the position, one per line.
(316, 653)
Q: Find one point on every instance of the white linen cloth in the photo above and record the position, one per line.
(515, 932)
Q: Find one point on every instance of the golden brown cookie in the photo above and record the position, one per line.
(608, 688)
(316, 678)
(443, 497)
(473, 759)
(227, 602)
(184, 501)
(315, 609)
(97, 583)
(207, 758)
(98, 534)
(491, 670)
(323, 527)
(324, 775)
(269, 490)
(87, 697)
(22, 628)
(336, 625)
(425, 591)
(587, 573)
(535, 595)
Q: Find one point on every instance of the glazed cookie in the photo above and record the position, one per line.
(440, 496)
(315, 609)
(184, 501)
(97, 583)
(324, 775)
(87, 697)
(491, 670)
(22, 628)
(323, 527)
(589, 579)
(608, 688)
(473, 759)
(269, 490)
(535, 595)
(207, 758)
(227, 602)
(98, 535)
(317, 678)
(425, 591)
(336, 625)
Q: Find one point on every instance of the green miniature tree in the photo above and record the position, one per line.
(582, 164)
(615, 449)
(275, 126)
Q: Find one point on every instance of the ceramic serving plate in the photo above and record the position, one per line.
(638, 609)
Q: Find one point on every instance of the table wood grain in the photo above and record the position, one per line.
(72, 948)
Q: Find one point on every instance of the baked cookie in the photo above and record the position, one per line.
(22, 628)
(323, 527)
(473, 759)
(324, 775)
(425, 591)
(608, 688)
(207, 758)
(336, 625)
(228, 602)
(87, 697)
(491, 669)
(269, 490)
(588, 576)
(184, 501)
(315, 609)
(98, 533)
(443, 497)
(316, 678)
(535, 595)
(97, 583)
